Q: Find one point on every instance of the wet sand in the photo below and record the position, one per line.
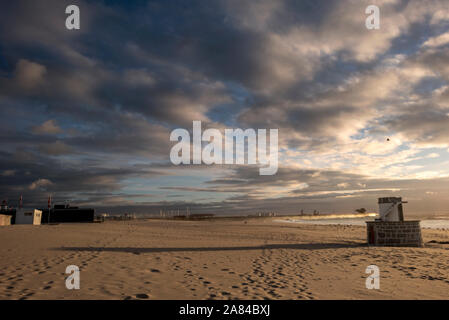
(217, 259)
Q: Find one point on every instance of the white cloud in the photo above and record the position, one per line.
(437, 41)
(40, 183)
(433, 155)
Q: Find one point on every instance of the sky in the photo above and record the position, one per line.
(87, 114)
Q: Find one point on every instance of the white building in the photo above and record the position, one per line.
(390, 209)
(5, 220)
(28, 216)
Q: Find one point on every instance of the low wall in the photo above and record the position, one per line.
(394, 233)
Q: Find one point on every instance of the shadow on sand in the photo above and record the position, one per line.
(301, 246)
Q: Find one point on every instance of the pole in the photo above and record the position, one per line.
(49, 209)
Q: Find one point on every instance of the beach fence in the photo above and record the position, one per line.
(391, 229)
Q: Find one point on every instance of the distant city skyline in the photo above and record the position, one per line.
(361, 113)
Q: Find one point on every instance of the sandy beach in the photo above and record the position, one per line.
(216, 259)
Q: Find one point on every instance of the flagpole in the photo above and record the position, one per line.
(49, 208)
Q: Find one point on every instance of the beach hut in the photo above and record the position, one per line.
(5, 220)
(28, 216)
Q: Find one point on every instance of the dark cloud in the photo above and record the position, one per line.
(84, 112)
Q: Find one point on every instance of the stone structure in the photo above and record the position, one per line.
(394, 233)
(391, 229)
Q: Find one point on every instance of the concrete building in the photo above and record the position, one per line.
(28, 216)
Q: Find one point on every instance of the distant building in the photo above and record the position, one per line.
(198, 216)
(6, 210)
(66, 213)
(264, 214)
(28, 216)
(5, 220)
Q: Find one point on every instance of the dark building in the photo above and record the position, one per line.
(66, 213)
(199, 216)
(4, 209)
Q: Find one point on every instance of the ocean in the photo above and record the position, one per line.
(358, 220)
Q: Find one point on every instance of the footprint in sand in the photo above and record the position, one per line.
(142, 296)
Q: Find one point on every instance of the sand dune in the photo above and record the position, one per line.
(229, 259)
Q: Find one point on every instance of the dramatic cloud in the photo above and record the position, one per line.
(87, 114)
